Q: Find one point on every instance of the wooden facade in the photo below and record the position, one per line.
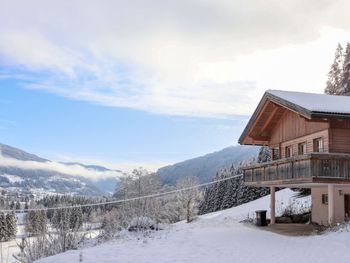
(308, 147)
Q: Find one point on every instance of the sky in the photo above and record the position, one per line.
(150, 83)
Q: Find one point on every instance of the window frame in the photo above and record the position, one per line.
(301, 146)
(318, 145)
(324, 198)
(289, 151)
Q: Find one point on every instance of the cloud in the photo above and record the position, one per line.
(71, 169)
(197, 58)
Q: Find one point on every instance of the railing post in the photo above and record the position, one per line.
(272, 205)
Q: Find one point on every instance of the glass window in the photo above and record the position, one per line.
(275, 153)
(289, 151)
(325, 199)
(302, 148)
(318, 145)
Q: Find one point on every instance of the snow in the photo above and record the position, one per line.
(13, 178)
(219, 237)
(316, 102)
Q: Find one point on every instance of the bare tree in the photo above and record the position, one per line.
(188, 198)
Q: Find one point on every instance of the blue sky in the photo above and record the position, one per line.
(64, 129)
(130, 83)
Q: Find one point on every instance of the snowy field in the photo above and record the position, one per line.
(218, 237)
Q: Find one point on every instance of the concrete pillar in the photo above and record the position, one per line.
(272, 204)
(331, 203)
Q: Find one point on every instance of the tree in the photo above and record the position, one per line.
(189, 198)
(18, 205)
(139, 184)
(36, 220)
(11, 227)
(3, 228)
(345, 80)
(264, 154)
(335, 74)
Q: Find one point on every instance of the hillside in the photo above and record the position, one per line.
(218, 237)
(205, 167)
(23, 176)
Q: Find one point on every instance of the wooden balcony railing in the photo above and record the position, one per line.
(300, 168)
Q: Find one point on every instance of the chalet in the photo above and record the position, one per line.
(309, 135)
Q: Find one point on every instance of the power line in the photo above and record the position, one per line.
(124, 200)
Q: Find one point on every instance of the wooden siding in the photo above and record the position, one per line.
(309, 139)
(310, 168)
(339, 140)
(292, 126)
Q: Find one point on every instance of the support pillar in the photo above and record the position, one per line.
(331, 203)
(272, 204)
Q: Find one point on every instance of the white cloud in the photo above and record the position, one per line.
(74, 169)
(124, 166)
(198, 58)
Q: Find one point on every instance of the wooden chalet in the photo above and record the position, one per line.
(309, 136)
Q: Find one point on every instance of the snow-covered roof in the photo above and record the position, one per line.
(308, 105)
(315, 103)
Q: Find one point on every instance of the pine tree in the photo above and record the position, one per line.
(345, 80)
(264, 154)
(334, 83)
(3, 228)
(11, 228)
(76, 218)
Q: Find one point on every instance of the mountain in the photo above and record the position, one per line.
(40, 181)
(205, 167)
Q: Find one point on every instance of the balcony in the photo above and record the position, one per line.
(310, 168)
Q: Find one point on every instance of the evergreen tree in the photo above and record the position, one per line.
(345, 80)
(3, 228)
(334, 83)
(36, 220)
(76, 218)
(264, 154)
(11, 228)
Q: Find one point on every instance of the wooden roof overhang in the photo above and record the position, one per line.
(269, 111)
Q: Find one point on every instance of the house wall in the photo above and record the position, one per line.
(293, 129)
(309, 139)
(319, 211)
(292, 126)
(339, 140)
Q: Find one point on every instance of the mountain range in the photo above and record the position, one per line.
(26, 179)
(41, 181)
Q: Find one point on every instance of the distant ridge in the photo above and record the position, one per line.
(31, 181)
(205, 167)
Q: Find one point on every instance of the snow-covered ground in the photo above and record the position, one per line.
(218, 237)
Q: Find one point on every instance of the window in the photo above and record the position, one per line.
(276, 153)
(302, 148)
(318, 145)
(325, 199)
(289, 151)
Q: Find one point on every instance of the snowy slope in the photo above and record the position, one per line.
(218, 237)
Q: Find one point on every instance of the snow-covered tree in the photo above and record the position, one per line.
(36, 220)
(228, 193)
(11, 227)
(3, 228)
(264, 154)
(335, 74)
(345, 80)
(188, 198)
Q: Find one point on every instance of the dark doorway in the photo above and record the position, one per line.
(347, 206)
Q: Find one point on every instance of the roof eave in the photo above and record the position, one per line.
(278, 100)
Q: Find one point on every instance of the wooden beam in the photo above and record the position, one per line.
(258, 117)
(275, 109)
